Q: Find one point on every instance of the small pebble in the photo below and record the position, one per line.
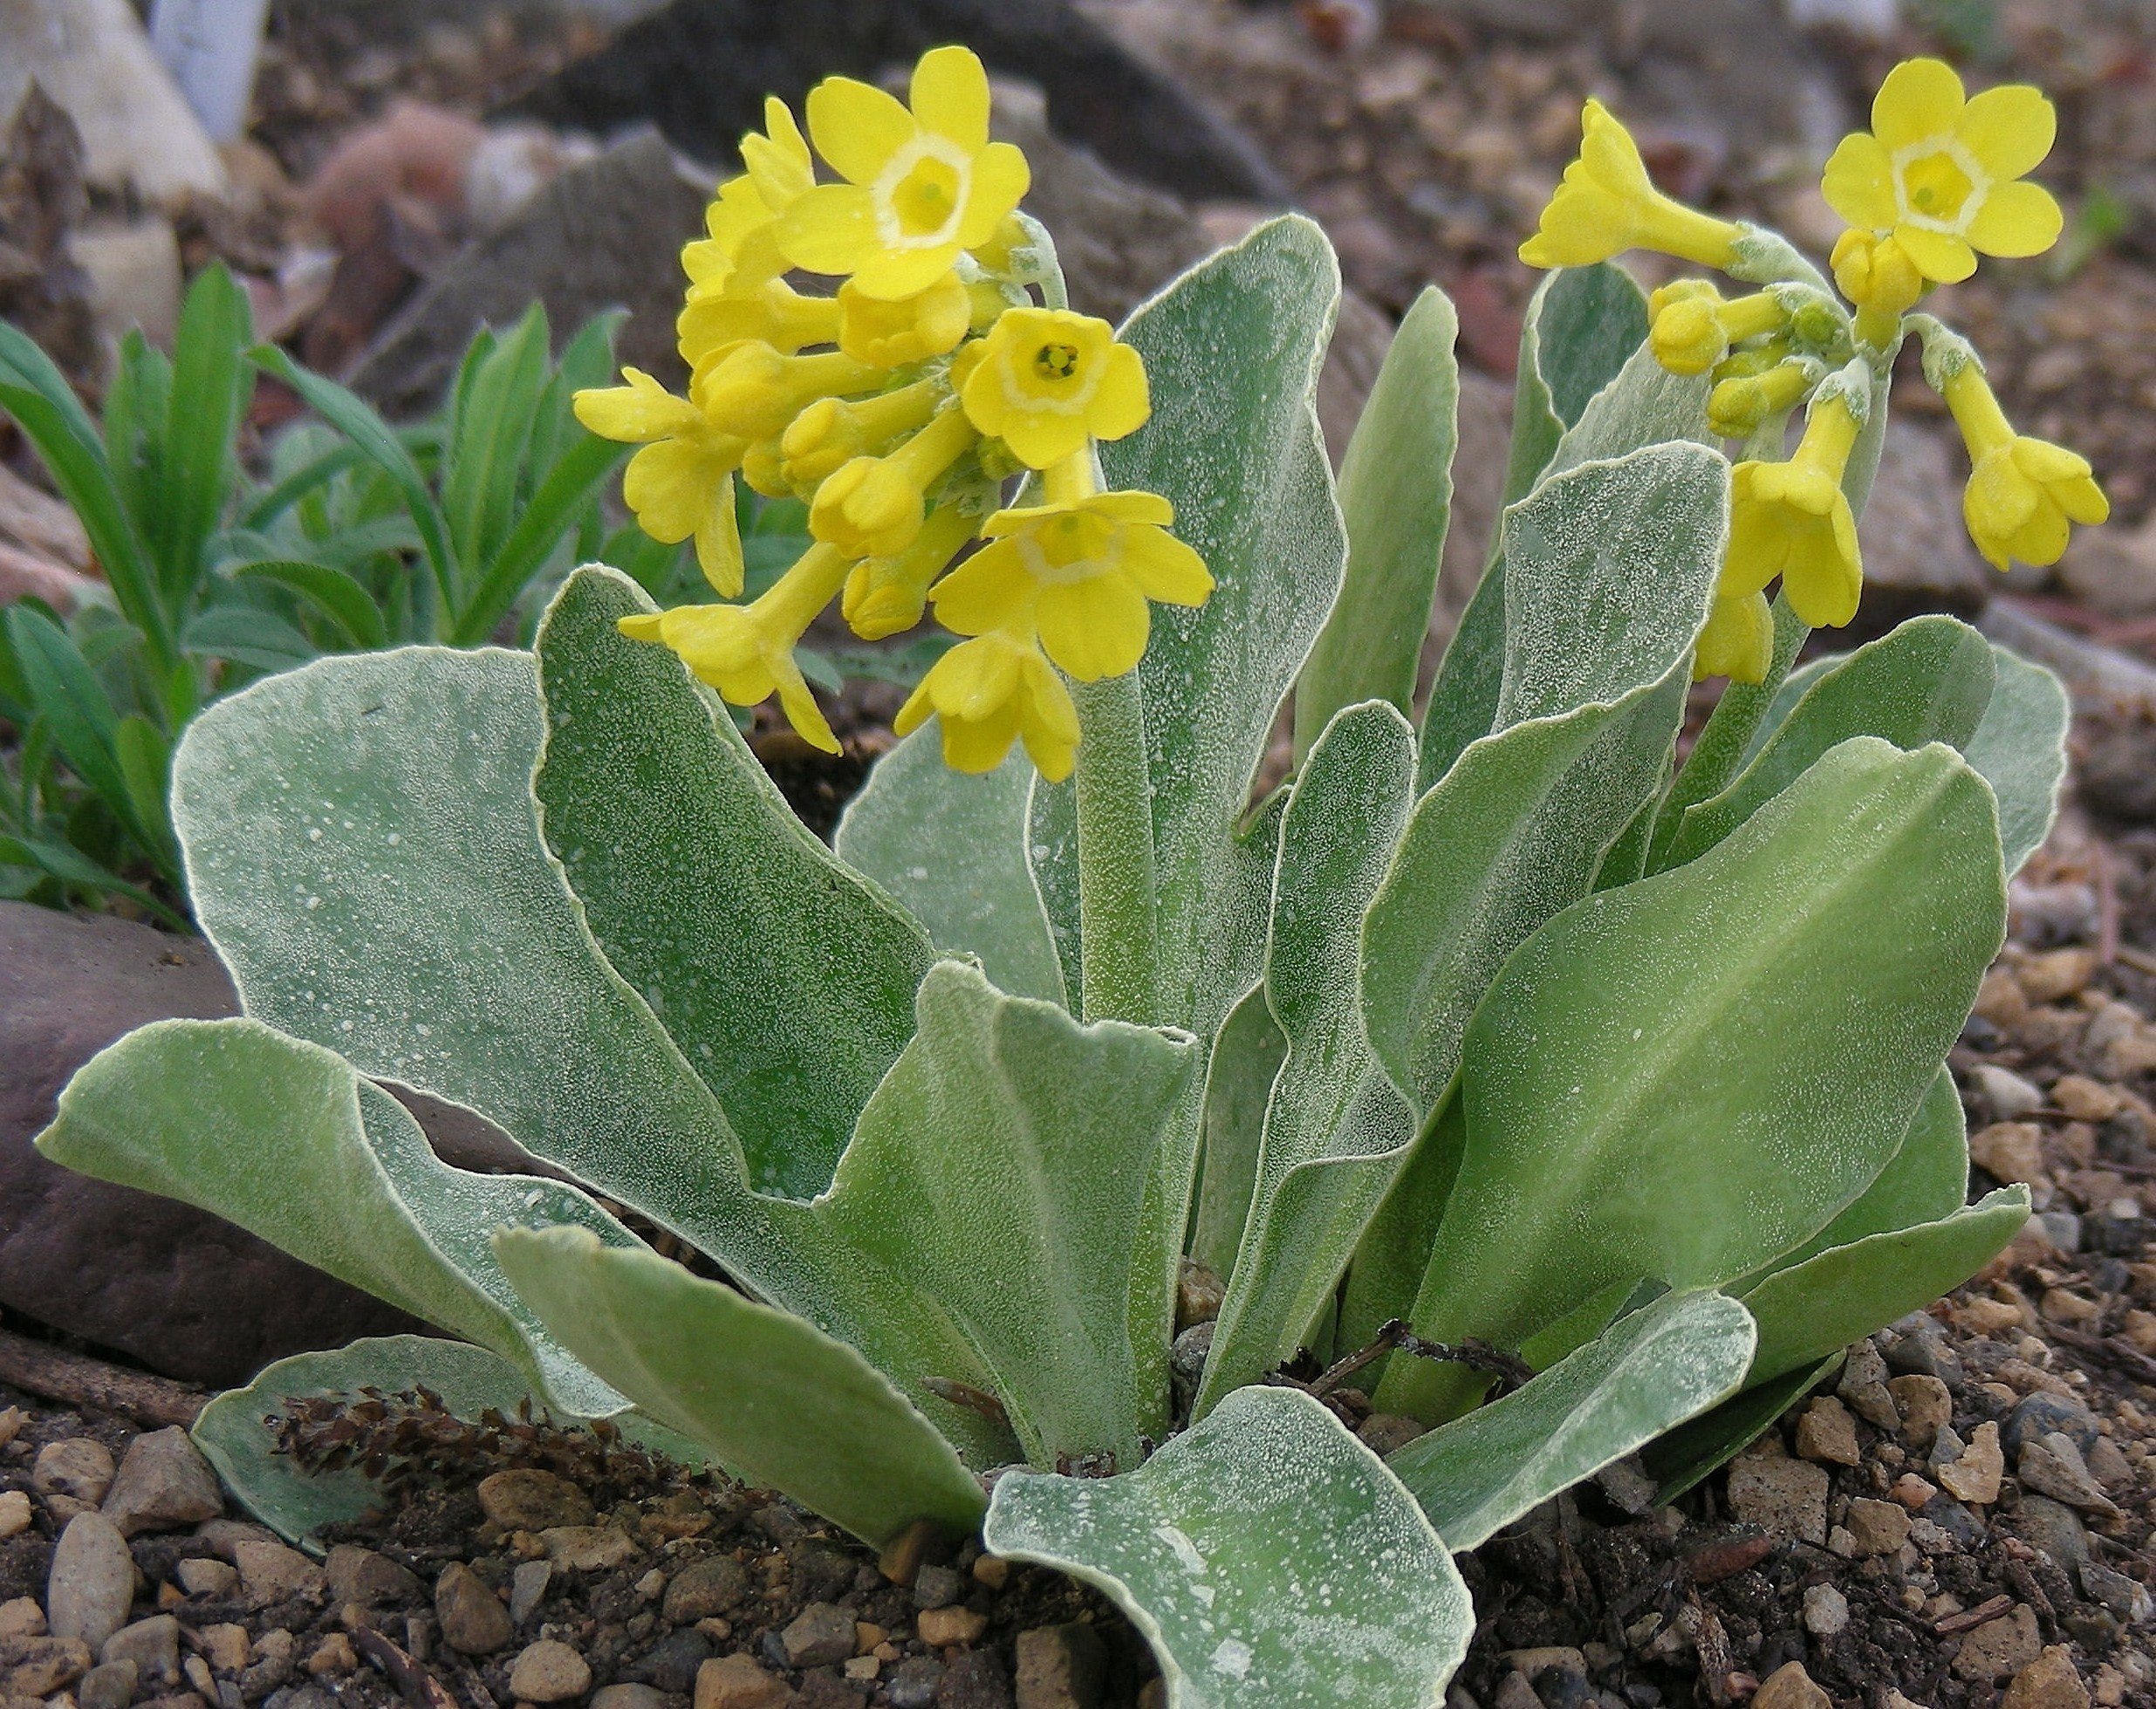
(549, 1672)
(1826, 1610)
(527, 1588)
(1827, 1433)
(1789, 1687)
(14, 1513)
(74, 1466)
(940, 1627)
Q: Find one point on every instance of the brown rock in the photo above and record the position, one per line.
(2049, 1682)
(705, 1588)
(162, 1484)
(1975, 1477)
(15, 1514)
(2009, 1151)
(1787, 1497)
(334, 1655)
(735, 1682)
(821, 1635)
(1827, 1433)
(36, 1667)
(226, 1647)
(269, 1572)
(938, 1627)
(903, 1556)
(473, 1618)
(1926, 1404)
(526, 1499)
(588, 1549)
(1912, 1492)
(2051, 1465)
(2084, 1099)
(1789, 1687)
(20, 1617)
(1060, 1667)
(2000, 1648)
(363, 1576)
(549, 1672)
(1879, 1527)
(74, 1465)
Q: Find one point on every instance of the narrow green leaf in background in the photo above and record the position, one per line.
(1247, 1055)
(210, 389)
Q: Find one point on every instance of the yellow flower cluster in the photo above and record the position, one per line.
(1939, 179)
(897, 407)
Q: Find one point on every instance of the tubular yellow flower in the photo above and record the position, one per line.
(1792, 520)
(831, 432)
(1694, 331)
(1738, 641)
(740, 253)
(1942, 174)
(746, 652)
(754, 391)
(873, 506)
(1047, 380)
(1083, 564)
(1740, 405)
(761, 469)
(891, 332)
(989, 692)
(885, 596)
(921, 184)
(774, 313)
(2023, 493)
(680, 485)
(1606, 205)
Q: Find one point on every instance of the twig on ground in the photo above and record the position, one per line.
(79, 1380)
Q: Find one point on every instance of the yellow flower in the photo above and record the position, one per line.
(774, 313)
(753, 391)
(989, 692)
(891, 332)
(921, 185)
(1942, 174)
(1606, 205)
(1738, 641)
(873, 507)
(1083, 566)
(1792, 520)
(885, 596)
(746, 652)
(1693, 330)
(1741, 405)
(1048, 380)
(831, 432)
(2023, 495)
(741, 252)
(680, 485)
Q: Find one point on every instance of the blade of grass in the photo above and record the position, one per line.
(211, 383)
(579, 473)
(71, 866)
(340, 597)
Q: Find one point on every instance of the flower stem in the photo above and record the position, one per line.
(1115, 853)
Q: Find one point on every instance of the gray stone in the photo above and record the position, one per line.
(2051, 1526)
(2040, 1414)
(704, 1589)
(1826, 1610)
(473, 1619)
(937, 1587)
(76, 1467)
(163, 1484)
(527, 1589)
(911, 1684)
(152, 1646)
(549, 1671)
(107, 1685)
(1864, 1386)
(2000, 1648)
(2010, 1094)
(2063, 1227)
(2051, 1465)
(821, 1635)
(671, 1663)
(1920, 1348)
(91, 1583)
(2127, 1597)
(365, 1576)
(976, 1679)
(1787, 1497)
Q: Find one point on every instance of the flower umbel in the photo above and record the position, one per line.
(1942, 174)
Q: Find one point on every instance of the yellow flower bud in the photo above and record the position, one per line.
(753, 391)
(891, 333)
(873, 506)
(761, 469)
(1739, 407)
(885, 596)
(831, 432)
(2023, 493)
(774, 314)
(1693, 332)
(989, 692)
(1607, 205)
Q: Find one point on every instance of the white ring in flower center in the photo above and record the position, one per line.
(1049, 574)
(1955, 150)
(890, 228)
(1028, 402)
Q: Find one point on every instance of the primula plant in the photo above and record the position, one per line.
(1570, 1101)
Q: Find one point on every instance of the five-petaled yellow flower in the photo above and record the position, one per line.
(989, 692)
(2023, 493)
(1607, 205)
(1943, 174)
(1048, 379)
(680, 485)
(920, 184)
(740, 252)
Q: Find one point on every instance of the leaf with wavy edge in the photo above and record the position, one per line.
(1267, 1555)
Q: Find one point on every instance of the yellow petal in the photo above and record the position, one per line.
(2009, 129)
(1001, 178)
(1049, 721)
(978, 745)
(1094, 628)
(1609, 154)
(668, 485)
(857, 127)
(1122, 403)
(2040, 459)
(1859, 182)
(1131, 506)
(831, 228)
(985, 593)
(950, 96)
(1039, 438)
(1920, 99)
(2082, 501)
(1824, 576)
(1165, 568)
(1738, 641)
(636, 413)
(2017, 219)
(802, 711)
(975, 679)
(2042, 540)
(718, 541)
(1943, 259)
(918, 709)
(894, 273)
(641, 627)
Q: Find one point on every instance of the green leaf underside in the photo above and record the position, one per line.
(951, 848)
(423, 933)
(1929, 681)
(468, 1380)
(1679, 1459)
(786, 983)
(1519, 825)
(2020, 747)
(1745, 1040)
(1646, 1374)
(1267, 1555)
(766, 1392)
(1000, 1168)
(283, 1138)
(1581, 326)
(1247, 1056)
(1334, 1127)
(1396, 501)
(1828, 1300)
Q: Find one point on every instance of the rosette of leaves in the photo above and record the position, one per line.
(1505, 1025)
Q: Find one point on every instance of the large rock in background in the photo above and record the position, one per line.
(700, 69)
(173, 1286)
